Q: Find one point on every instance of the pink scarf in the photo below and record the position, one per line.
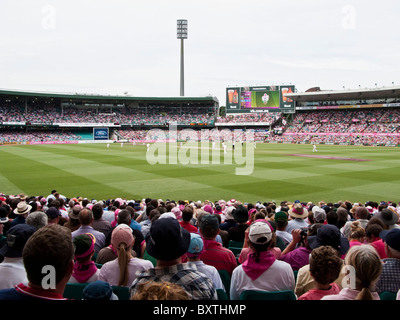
(254, 269)
(83, 272)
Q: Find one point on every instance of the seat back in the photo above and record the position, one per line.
(386, 295)
(222, 295)
(235, 244)
(121, 292)
(146, 256)
(267, 295)
(226, 280)
(74, 290)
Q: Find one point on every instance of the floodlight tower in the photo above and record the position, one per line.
(182, 34)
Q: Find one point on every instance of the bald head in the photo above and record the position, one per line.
(85, 217)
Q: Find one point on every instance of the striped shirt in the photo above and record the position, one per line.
(214, 254)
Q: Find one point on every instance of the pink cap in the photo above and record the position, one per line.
(122, 234)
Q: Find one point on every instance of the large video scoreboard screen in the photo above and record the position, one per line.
(259, 99)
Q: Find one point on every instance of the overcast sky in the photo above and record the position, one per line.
(117, 46)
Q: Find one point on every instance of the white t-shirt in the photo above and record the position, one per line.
(12, 272)
(278, 277)
(210, 271)
(109, 272)
(285, 236)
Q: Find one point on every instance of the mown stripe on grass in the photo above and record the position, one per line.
(44, 171)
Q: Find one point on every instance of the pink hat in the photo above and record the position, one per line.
(251, 211)
(208, 208)
(122, 234)
(177, 212)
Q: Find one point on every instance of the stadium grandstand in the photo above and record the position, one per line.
(357, 117)
(27, 117)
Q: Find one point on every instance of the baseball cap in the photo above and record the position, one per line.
(260, 232)
(391, 237)
(281, 216)
(196, 245)
(122, 234)
(209, 220)
(53, 213)
(17, 236)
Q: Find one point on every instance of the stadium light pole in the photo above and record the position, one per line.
(182, 34)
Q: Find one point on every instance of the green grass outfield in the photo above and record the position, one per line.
(93, 171)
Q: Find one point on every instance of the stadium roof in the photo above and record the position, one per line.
(83, 96)
(334, 95)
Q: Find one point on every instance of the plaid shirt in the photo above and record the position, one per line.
(197, 286)
(389, 279)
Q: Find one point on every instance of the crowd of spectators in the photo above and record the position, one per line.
(318, 251)
(151, 115)
(342, 126)
(269, 118)
(215, 134)
(11, 136)
(365, 127)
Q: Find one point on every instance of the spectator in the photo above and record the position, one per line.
(160, 290)
(153, 215)
(342, 217)
(4, 219)
(86, 220)
(73, 222)
(261, 271)
(319, 214)
(124, 216)
(48, 246)
(193, 254)
(281, 221)
(247, 248)
(85, 269)
(187, 215)
(167, 241)
(298, 256)
(325, 267)
(389, 279)
(367, 269)
(134, 225)
(53, 215)
(357, 234)
(12, 269)
(361, 214)
(327, 234)
(22, 210)
(241, 215)
(229, 221)
(122, 271)
(99, 223)
(38, 219)
(298, 214)
(214, 253)
(109, 214)
(372, 234)
(389, 218)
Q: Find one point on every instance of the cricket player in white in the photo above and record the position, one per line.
(314, 148)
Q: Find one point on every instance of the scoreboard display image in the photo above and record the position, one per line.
(261, 98)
